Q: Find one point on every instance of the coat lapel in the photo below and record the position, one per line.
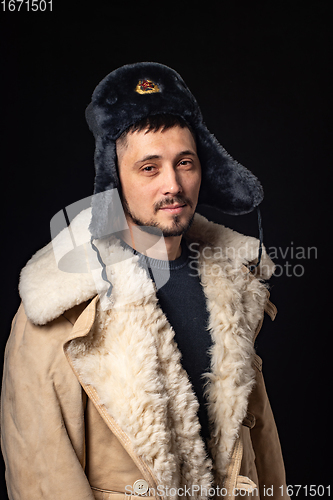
(235, 302)
(132, 361)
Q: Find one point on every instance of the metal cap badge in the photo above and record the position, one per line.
(146, 87)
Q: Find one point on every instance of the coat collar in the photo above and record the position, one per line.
(62, 274)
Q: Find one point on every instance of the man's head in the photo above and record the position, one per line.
(136, 91)
(160, 173)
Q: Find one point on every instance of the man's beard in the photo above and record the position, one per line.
(153, 227)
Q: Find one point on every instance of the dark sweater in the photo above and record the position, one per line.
(183, 302)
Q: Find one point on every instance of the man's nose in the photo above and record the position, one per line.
(171, 181)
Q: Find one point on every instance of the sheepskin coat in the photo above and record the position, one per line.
(95, 399)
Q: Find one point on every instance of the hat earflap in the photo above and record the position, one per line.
(226, 184)
(106, 180)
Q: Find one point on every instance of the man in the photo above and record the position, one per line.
(118, 382)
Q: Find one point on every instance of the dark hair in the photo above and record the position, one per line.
(153, 123)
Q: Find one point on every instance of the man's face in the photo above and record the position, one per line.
(160, 175)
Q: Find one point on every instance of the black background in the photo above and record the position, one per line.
(261, 74)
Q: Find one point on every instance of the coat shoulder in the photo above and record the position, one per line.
(57, 277)
(44, 342)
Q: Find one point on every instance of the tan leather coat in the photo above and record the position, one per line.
(95, 404)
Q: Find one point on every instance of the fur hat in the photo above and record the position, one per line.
(135, 91)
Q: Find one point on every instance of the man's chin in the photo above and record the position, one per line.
(169, 233)
(177, 227)
(174, 228)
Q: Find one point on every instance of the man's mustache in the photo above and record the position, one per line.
(181, 200)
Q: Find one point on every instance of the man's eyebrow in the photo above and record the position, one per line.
(148, 157)
(157, 157)
(187, 152)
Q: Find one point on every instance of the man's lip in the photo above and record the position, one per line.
(173, 208)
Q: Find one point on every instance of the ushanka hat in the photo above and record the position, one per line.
(135, 91)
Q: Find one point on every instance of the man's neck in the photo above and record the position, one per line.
(173, 247)
(154, 246)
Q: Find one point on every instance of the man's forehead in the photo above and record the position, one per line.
(154, 142)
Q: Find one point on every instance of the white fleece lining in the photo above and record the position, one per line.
(132, 361)
(47, 292)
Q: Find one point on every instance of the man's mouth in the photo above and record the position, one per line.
(174, 209)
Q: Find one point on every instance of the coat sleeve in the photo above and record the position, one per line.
(42, 415)
(265, 442)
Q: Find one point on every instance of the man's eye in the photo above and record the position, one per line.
(149, 168)
(185, 163)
